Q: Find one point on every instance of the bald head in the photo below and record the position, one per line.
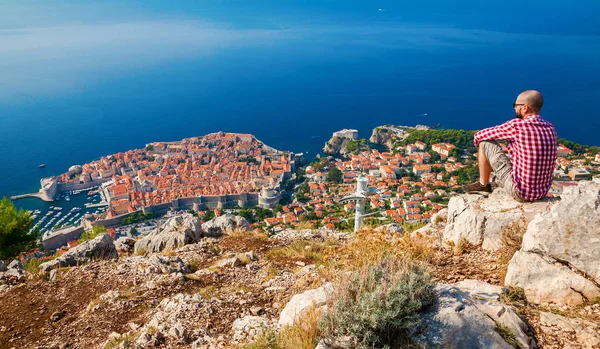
(533, 99)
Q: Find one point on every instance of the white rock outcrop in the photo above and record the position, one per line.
(559, 261)
(466, 315)
(302, 302)
(177, 231)
(481, 221)
(101, 247)
(225, 223)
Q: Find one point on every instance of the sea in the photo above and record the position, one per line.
(80, 80)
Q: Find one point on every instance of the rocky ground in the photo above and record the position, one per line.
(199, 290)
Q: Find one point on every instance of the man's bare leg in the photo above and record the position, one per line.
(485, 169)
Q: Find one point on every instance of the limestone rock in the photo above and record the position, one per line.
(482, 221)
(587, 333)
(177, 231)
(559, 261)
(465, 316)
(336, 145)
(100, 247)
(288, 236)
(225, 223)
(157, 264)
(228, 262)
(545, 280)
(248, 327)
(173, 316)
(302, 302)
(124, 244)
(15, 264)
(383, 136)
(13, 276)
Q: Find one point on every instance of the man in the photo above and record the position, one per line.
(532, 147)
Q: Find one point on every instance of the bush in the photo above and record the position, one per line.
(89, 235)
(15, 233)
(33, 265)
(379, 303)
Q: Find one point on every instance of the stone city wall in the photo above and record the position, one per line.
(56, 239)
(193, 203)
(62, 187)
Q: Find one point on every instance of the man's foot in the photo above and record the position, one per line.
(478, 188)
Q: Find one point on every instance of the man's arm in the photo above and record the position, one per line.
(506, 131)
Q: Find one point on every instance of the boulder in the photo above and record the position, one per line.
(225, 223)
(177, 231)
(101, 247)
(125, 244)
(467, 315)
(304, 301)
(559, 260)
(15, 264)
(157, 264)
(2, 266)
(482, 221)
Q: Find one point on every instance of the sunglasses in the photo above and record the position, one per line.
(517, 104)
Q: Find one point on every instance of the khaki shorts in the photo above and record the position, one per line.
(501, 166)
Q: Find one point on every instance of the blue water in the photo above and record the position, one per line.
(83, 80)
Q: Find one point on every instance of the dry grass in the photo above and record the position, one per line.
(207, 292)
(194, 265)
(305, 225)
(245, 233)
(512, 239)
(462, 247)
(370, 246)
(270, 273)
(303, 334)
(307, 251)
(169, 252)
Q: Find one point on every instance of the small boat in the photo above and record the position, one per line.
(42, 165)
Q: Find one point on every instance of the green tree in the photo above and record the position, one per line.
(435, 157)
(15, 230)
(335, 175)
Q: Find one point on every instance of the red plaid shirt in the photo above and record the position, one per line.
(532, 148)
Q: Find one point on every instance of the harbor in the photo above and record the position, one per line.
(67, 209)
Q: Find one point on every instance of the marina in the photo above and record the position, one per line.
(67, 210)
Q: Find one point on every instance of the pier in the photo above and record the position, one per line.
(42, 196)
(100, 204)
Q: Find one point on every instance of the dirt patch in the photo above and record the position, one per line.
(473, 263)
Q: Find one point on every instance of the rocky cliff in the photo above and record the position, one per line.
(337, 145)
(382, 136)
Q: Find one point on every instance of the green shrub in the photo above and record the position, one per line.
(33, 265)
(507, 334)
(89, 235)
(379, 303)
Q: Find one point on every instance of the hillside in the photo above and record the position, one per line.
(219, 285)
